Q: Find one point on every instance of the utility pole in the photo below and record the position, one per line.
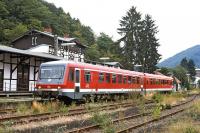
(56, 45)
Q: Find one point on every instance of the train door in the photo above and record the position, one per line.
(77, 80)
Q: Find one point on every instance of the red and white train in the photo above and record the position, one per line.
(76, 80)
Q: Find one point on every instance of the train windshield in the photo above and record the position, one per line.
(52, 74)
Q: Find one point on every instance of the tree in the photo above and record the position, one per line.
(165, 70)
(180, 72)
(189, 66)
(139, 42)
(148, 55)
(191, 69)
(92, 53)
(184, 63)
(105, 44)
(130, 29)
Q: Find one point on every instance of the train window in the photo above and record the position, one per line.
(119, 78)
(138, 80)
(157, 81)
(108, 77)
(129, 79)
(101, 77)
(77, 73)
(87, 76)
(133, 80)
(151, 81)
(71, 74)
(114, 78)
(124, 79)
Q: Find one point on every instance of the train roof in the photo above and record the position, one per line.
(158, 76)
(87, 66)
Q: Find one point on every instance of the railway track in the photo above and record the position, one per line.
(96, 127)
(7, 111)
(72, 112)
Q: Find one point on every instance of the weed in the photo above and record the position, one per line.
(22, 108)
(63, 108)
(190, 130)
(158, 98)
(104, 121)
(156, 111)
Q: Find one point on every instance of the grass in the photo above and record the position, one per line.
(184, 126)
(188, 123)
(169, 99)
(38, 107)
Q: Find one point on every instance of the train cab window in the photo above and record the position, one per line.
(71, 74)
(114, 78)
(124, 79)
(101, 77)
(87, 76)
(129, 79)
(120, 79)
(108, 77)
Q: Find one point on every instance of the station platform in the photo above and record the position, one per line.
(16, 94)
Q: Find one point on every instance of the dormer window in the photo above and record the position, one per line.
(34, 41)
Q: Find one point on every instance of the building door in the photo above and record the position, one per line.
(23, 77)
(1, 79)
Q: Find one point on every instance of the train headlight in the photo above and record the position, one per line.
(59, 87)
(39, 87)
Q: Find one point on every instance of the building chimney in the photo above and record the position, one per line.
(66, 35)
(55, 45)
(48, 30)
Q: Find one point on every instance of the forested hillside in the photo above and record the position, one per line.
(18, 16)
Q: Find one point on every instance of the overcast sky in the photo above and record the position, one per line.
(178, 21)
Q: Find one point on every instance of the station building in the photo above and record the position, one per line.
(19, 64)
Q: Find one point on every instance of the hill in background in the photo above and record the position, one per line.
(19, 16)
(190, 53)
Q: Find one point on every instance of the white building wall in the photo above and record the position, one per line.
(6, 85)
(13, 85)
(1, 65)
(32, 61)
(31, 73)
(7, 58)
(7, 71)
(14, 74)
(31, 85)
(14, 60)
